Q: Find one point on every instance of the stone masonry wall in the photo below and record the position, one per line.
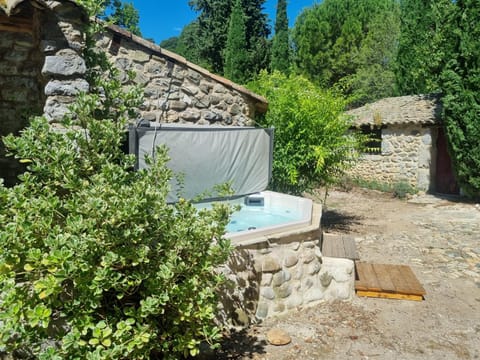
(407, 153)
(41, 68)
(20, 89)
(271, 277)
(177, 91)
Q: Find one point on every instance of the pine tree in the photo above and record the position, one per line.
(280, 58)
(235, 50)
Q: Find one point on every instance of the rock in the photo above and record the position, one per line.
(65, 63)
(67, 87)
(313, 268)
(291, 259)
(267, 293)
(178, 105)
(191, 116)
(308, 258)
(271, 264)
(262, 311)
(280, 277)
(278, 337)
(279, 307)
(266, 279)
(139, 56)
(283, 291)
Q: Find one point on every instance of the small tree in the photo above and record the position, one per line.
(235, 50)
(94, 264)
(312, 146)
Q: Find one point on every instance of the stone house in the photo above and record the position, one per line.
(42, 71)
(407, 143)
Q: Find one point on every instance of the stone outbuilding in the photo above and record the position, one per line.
(407, 143)
(42, 70)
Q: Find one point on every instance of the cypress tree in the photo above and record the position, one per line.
(235, 50)
(280, 46)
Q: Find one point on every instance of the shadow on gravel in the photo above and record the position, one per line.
(238, 345)
(334, 221)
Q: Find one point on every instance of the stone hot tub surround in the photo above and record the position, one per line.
(274, 273)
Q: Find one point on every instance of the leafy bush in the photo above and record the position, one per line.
(94, 264)
(312, 145)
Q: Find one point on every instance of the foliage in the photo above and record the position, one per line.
(211, 36)
(189, 46)
(170, 44)
(123, 14)
(280, 53)
(235, 57)
(423, 45)
(461, 87)
(311, 142)
(94, 264)
(351, 44)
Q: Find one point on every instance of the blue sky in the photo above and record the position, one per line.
(161, 19)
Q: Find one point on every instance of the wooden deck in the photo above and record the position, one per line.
(339, 246)
(387, 281)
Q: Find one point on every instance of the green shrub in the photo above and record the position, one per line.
(94, 264)
(312, 145)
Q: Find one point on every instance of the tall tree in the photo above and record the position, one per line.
(461, 86)
(422, 46)
(211, 37)
(349, 43)
(235, 56)
(280, 54)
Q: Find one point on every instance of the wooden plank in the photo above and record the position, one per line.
(384, 295)
(409, 277)
(387, 281)
(339, 251)
(383, 277)
(367, 275)
(401, 286)
(339, 246)
(350, 247)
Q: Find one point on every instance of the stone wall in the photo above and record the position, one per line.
(41, 69)
(177, 91)
(20, 89)
(271, 276)
(408, 153)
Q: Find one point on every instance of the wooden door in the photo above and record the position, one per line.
(445, 182)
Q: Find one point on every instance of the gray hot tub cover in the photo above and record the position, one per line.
(207, 156)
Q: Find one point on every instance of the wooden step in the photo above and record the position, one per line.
(387, 281)
(339, 246)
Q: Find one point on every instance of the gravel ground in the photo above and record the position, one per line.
(439, 238)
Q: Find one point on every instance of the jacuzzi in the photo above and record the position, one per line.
(270, 214)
